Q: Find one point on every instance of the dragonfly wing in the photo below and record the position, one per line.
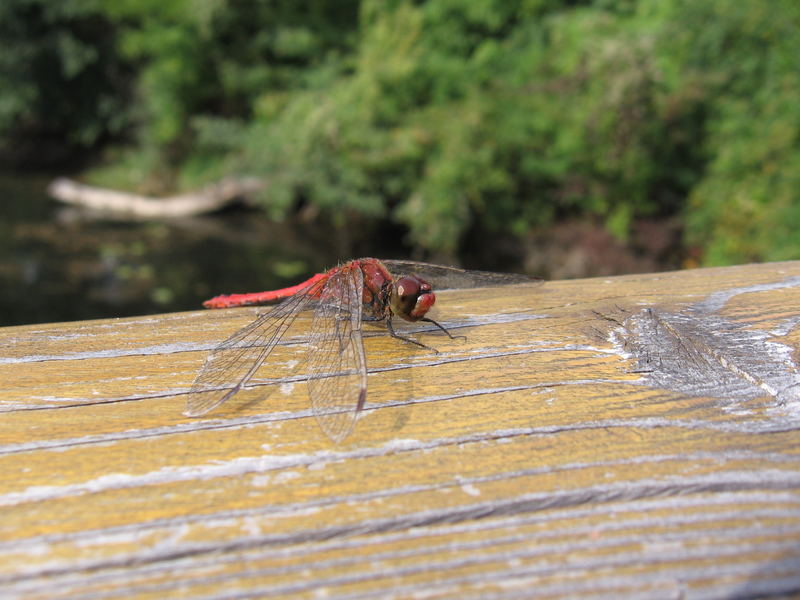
(233, 363)
(452, 278)
(338, 368)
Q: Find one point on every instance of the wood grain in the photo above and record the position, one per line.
(616, 437)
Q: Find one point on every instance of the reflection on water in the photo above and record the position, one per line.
(57, 264)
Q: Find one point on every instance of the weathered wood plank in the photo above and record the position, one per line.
(632, 436)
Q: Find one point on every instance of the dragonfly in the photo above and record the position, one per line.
(363, 289)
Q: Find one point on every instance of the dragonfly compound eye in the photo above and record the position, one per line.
(412, 297)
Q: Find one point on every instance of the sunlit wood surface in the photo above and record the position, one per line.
(614, 437)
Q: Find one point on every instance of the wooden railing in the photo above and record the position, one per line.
(608, 437)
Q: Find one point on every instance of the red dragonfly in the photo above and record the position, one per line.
(341, 297)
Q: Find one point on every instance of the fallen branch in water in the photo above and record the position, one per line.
(208, 199)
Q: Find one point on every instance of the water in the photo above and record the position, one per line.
(60, 264)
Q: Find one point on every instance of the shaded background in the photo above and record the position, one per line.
(561, 138)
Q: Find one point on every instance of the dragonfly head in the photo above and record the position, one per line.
(412, 297)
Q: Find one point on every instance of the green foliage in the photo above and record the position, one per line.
(440, 114)
(489, 111)
(206, 66)
(62, 84)
(745, 71)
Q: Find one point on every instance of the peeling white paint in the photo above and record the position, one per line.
(470, 490)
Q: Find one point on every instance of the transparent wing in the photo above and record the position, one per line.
(338, 368)
(233, 363)
(451, 278)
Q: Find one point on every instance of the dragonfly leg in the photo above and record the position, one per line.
(409, 340)
(450, 335)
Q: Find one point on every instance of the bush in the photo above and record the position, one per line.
(441, 114)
